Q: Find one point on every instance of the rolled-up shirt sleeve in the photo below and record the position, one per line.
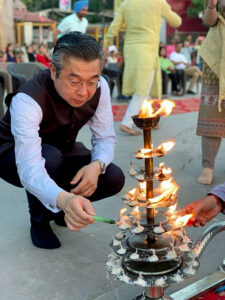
(26, 116)
(219, 191)
(102, 128)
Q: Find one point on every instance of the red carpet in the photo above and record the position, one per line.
(182, 106)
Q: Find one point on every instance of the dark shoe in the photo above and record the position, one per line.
(42, 236)
(60, 219)
(191, 92)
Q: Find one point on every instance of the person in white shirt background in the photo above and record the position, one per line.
(73, 22)
(38, 147)
(181, 65)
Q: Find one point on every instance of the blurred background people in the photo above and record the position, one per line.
(43, 56)
(73, 22)
(9, 55)
(142, 73)
(183, 67)
(168, 70)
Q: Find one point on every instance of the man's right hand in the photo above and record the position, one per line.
(203, 210)
(78, 210)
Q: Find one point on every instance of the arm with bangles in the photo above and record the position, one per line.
(210, 13)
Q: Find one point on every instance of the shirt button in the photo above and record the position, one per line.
(72, 126)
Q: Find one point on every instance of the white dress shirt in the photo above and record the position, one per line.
(178, 57)
(26, 116)
(72, 23)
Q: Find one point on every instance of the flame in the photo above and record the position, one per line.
(122, 211)
(167, 107)
(171, 210)
(164, 171)
(181, 221)
(147, 110)
(142, 190)
(132, 193)
(166, 147)
(144, 152)
(142, 186)
(135, 212)
(167, 187)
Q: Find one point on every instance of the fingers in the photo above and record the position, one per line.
(85, 188)
(77, 177)
(78, 213)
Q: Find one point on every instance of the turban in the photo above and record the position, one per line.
(79, 5)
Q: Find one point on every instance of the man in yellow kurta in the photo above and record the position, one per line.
(142, 75)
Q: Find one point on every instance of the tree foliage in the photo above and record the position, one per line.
(195, 8)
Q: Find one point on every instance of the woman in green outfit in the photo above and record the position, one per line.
(168, 70)
(211, 119)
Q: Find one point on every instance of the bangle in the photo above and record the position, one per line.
(211, 7)
(219, 201)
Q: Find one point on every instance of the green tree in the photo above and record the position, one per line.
(195, 8)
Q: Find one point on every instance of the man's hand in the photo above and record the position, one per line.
(203, 210)
(88, 177)
(78, 210)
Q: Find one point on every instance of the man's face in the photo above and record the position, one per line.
(77, 81)
(178, 47)
(83, 12)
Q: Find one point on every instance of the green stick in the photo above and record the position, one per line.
(104, 220)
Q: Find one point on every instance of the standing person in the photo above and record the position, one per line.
(143, 20)
(211, 118)
(38, 147)
(73, 22)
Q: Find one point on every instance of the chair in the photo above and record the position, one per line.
(7, 85)
(113, 75)
(22, 72)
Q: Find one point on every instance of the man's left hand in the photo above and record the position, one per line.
(88, 177)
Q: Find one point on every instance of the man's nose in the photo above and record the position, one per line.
(83, 89)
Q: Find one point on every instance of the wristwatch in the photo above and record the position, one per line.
(102, 165)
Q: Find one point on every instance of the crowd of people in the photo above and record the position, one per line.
(179, 61)
(28, 53)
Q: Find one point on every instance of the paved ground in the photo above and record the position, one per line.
(76, 271)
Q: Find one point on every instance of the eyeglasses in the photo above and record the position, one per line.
(75, 84)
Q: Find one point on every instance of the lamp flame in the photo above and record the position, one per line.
(147, 110)
(167, 188)
(181, 221)
(171, 210)
(166, 147)
(122, 211)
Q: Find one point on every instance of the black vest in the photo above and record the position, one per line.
(61, 122)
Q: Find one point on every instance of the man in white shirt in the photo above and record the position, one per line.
(73, 22)
(38, 147)
(181, 65)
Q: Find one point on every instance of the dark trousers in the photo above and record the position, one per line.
(61, 168)
(174, 81)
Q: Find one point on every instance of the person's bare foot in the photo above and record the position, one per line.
(130, 130)
(206, 176)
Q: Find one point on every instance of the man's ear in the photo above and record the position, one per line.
(52, 71)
